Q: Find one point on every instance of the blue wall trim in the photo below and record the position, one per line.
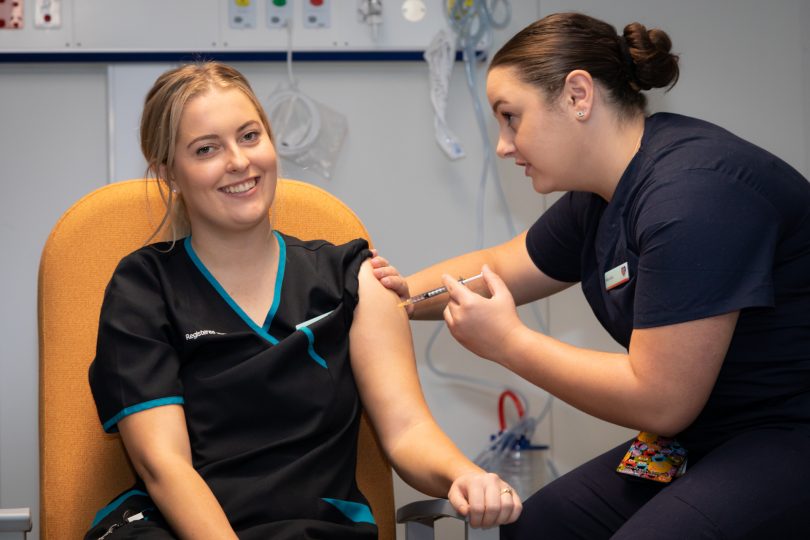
(222, 56)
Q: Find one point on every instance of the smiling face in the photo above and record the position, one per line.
(225, 163)
(541, 137)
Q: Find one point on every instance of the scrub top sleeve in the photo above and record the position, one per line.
(351, 256)
(136, 367)
(706, 247)
(556, 239)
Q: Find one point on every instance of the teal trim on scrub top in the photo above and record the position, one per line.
(282, 265)
(357, 512)
(104, 512)
(311, 347)
(126, 411)
(224, 294)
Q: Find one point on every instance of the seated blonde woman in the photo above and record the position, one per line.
(235, 360)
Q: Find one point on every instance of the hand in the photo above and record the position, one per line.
(485, 499)
(482, 325)
(390, 278)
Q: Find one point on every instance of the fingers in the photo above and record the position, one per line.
(502, 506)
(389, 276)
(494, 282)
(517, 508)
(381, 266)
(511, 506)
(486, 502)
(458, 500)
(456, 290)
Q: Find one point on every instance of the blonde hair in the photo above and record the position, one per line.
(160, 123)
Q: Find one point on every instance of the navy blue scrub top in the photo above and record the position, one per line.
(272, 411)
(706, 224)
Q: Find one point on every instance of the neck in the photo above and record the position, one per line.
(624, 141)
(226, 249)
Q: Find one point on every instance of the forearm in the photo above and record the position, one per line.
(428, 460)
(601, 384)
(186, 501)
(430, 278)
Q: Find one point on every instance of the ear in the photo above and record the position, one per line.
(578, 92)
(162, 174)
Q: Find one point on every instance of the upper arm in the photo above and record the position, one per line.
(154, 437)
(383, 361)
(526, 282)
(706, 245)
(679, 364)
(136, 365)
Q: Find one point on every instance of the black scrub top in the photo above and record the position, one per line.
(701, 223)
(272, 411)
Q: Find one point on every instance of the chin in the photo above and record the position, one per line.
(543, 188)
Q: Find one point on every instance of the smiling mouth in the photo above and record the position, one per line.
(241, 187)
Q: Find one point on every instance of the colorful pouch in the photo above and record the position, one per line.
(652, 457)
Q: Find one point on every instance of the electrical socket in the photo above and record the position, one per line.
(279, 13)
(242, 13)
(317, 13)
(48, 14)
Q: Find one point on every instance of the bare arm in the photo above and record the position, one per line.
(661, 385)
(157, 443)
(510, 260)
(385, 370)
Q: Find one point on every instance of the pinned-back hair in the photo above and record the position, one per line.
(160, 123)
(546, 51)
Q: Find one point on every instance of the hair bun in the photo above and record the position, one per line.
(654, 66)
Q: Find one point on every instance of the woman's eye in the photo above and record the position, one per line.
(204, 150)
(251, 136)
(508, 117)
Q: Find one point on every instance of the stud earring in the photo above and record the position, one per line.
(580, 114)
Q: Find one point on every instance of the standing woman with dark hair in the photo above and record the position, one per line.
(692, 247)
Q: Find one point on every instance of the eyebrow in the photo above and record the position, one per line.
(496, 105)
(214, 136)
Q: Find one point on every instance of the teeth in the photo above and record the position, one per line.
(240, 188)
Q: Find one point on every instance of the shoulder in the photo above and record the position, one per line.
(324, 265)
(686, 157)
(157, 252)
(319, 244)
(676, 143)
(315, 250)
(148, 262)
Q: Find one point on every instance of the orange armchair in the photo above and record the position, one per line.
(81, 467)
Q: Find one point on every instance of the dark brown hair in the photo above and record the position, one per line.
(546, 51)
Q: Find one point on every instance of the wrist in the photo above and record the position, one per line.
(515, 345)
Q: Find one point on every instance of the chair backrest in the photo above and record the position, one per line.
(81, 467)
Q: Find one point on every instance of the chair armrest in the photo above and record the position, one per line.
(15, 520)
(420, 516)
(427, 510)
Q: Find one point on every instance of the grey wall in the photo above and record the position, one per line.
(746, 66)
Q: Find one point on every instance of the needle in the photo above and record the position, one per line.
(434, 292)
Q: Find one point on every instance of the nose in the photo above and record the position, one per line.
(237, 160)
(504, 148)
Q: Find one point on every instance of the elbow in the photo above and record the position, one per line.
(153, 469)
(669, 423)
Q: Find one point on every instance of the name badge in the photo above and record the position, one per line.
(616, 276)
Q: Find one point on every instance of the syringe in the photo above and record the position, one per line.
(435, 292)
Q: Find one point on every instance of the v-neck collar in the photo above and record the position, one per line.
(264, 330)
